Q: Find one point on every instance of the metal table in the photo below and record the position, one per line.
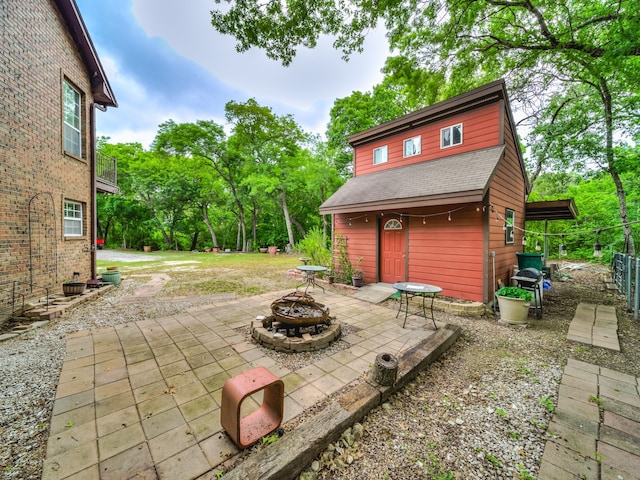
(311, 271)
(413, 289)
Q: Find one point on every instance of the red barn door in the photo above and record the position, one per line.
(392, 245)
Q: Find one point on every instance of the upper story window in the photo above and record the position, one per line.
(451, 136)
(380, 155)
(72, 219)
(412, 146)
(72, 120)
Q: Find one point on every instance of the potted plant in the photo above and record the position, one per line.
(356, 274)
(514, 303)
(73, 286)
(356, 277)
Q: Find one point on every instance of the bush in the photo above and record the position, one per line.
(515, 292)
(314, 246)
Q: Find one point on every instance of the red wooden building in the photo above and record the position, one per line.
(438, 196)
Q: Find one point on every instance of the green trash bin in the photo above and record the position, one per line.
(529, 260)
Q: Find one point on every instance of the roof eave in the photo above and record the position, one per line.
(100, 88)
(471, 99)
(470, 196)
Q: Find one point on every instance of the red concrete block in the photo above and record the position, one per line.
(248, 430)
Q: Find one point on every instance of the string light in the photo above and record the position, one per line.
(563, 248)
(524, 240)
(349, 220)
(366, 219)
(449, 216)
(538, 247)
(424, 220)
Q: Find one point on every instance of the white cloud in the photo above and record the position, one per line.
(314, 76)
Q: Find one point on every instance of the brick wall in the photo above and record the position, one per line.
(36, 54)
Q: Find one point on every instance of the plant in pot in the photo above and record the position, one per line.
(356, 274)
(73, 286)
(356, 277)
(514, 303)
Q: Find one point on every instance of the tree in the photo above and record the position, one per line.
(206, 140)
(557, 56)
(271, 144)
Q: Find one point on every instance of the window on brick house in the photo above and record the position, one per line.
(72, 219)
(380, 155)
(451, 136)
(72, 120)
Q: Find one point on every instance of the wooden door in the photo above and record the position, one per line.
(392, 245)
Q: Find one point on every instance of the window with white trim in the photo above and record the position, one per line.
(380, 155)
(412, 146)
(510, 219)
(72, 119)
(451, 136)
(72, 219)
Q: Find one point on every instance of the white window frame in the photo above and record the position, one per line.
(72, 119)
(448, 132)
(393, 224)
(380, 155)
(73, 219)
(412, 146)
(509, 222)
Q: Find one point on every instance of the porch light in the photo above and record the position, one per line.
(538, 247)
(597, 248)
(563, 248)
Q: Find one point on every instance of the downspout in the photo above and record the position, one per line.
(93, 196)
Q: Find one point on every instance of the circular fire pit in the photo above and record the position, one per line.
(298, 324)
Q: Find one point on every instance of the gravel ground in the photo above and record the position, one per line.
(480, 412)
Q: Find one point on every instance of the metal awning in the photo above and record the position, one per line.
(551, 210)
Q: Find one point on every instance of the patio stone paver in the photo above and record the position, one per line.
(144, 397)
(595, 426)
(595, 325)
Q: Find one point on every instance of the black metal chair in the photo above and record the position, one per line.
(531, 279)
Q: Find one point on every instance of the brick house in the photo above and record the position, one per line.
(52, 82)
(438, 196)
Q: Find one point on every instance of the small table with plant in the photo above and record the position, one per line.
(310, 271)
(413, 289)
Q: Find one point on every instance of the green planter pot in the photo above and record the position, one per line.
(112, 276)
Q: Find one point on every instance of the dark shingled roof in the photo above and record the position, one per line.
(459, 178)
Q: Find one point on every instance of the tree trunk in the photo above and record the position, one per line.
(622, 197)
(204, 211)
(287, 217)
(194, 240)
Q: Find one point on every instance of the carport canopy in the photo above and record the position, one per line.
(551, 210)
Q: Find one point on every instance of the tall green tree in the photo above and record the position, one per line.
(206, 140)
(272, 144)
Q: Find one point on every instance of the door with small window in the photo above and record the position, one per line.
(392, 247)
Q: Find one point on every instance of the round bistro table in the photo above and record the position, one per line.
(414, 289)
(311, 271)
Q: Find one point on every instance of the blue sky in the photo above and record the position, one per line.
(165, 61)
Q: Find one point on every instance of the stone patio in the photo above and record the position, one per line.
(142, 400)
